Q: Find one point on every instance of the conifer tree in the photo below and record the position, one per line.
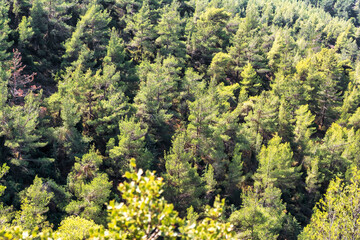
(25, 32)
(39, 24)
(336, 215)
(261, 118)
(169, 30)
(87, 45)
(183, 184)
(262, 214)
(204, 130)
(20, 130)
(143, 33)
(251, 82)
(98, 98)
(34, 206)
(325, 80)
(275, 166)
(157, 97)
(5, 211)
(116, 55)
(330, 156)
(346, 44)
(250, 43)
(131, 144)
(303, 128)
(234, 176)
(210, 37)
(4, 31)
(285, 121)
(90, 188)
(219, 67)
(281, 53)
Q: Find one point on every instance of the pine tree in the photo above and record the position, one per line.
(219, 67)
(4, 32)
(336, 215)
(116, 55)
(234, 176)
(251, 82)
(261, 216)
(39, 25)
(34, 206)
(131, 144)
(5, 211)
(139, 25)
(157, 96)
(98, 99)
(209, 37)
(261, 118)
(285, 121)
(169, 30)
(25, 32)
(346, 44)
(282, 52)
(325, 79)
(18, 81)
(303, 128)
(90, 188)
(275, 166)
(331, 157)
(183, 184)
(87, 45)
(250, 43)
(205, 131)
(20, 129)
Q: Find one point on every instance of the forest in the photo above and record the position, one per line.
(179, 119)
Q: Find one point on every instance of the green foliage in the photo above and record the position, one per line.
(5, 211)
(261, 215)
(258, 99)
(157, 90)
(76, 228)
(140, 26)
(209, 36)
(261, 118)
(336, 215)
(219, 67)
(183, 184)
(250, 80)
(250, 43)
(34, 206)
(87, 44)
(96, 98)
(209, 227)
(281, 53)
(169, 29)
(90, 188)
(131, 144)
(325, 79)
(303, 128)
(143, 214)
(332, 158)
(20, 130)
(275, 166)
(25, 31)
(4, 31)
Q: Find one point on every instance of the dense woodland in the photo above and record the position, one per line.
(162, 119)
